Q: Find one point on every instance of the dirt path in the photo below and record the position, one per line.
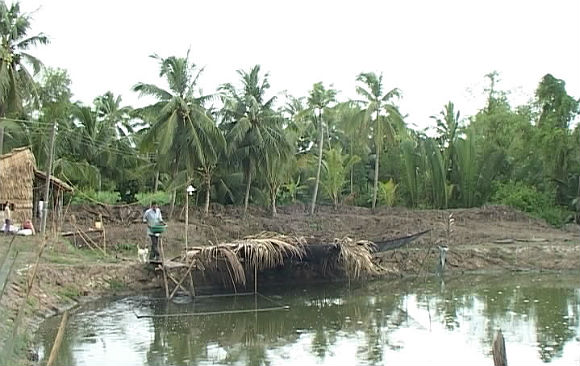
(484, 239)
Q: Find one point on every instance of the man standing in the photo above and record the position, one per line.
(7, 218)
(153, 217)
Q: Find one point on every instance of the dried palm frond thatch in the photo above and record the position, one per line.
(262, 251)
(218, 258)
(268, 250)
(356, 258)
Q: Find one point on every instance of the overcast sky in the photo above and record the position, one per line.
(434, 51)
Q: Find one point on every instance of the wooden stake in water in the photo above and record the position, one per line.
(498, 350)
(160, 244)
(57, 340)
(256, 278)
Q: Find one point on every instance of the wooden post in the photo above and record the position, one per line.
(191, 285)
(48, 174)
(57, 340)
(104, 234)
(498, 350)
(255, 278)
(178, 284)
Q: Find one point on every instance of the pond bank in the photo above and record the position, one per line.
(487, 239)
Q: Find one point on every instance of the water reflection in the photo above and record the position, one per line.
(373, 324)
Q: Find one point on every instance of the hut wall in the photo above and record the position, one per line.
(16, 182)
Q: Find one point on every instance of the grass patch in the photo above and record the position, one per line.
(126, 247)
(116, 284)
(32, 302)
(65, 252)
(69, 291)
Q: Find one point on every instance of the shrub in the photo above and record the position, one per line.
(387, 193)
(93, 197)
(521, 196)
(162, 198)
(528, 199)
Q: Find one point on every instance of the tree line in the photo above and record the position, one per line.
(245, 144)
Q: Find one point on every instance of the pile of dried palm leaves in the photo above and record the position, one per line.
(263, 251)
(356, 258)
(270, 250)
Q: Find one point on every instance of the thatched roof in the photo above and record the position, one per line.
(16, 181)
(59, 184)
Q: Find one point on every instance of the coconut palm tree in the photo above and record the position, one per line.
(336, 165)
(253, 127)
(183, 132)
(278, 170)
(319, 100)
(16, 81)
(110, 109)
(352, 122)
(381, 112)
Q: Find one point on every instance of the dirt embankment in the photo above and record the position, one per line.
(490, 238)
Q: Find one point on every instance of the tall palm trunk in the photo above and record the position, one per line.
(156, 182)
(207, 192)
(378, 139)
(273, 201)
(247, 196)
(174, 193)
(351, 179)
(375, 184)
(320, 143)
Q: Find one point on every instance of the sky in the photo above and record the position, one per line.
(433, 51)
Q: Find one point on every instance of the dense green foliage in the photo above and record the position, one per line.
(243, 145)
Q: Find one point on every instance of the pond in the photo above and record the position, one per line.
(434, 321)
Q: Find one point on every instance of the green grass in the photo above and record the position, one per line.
(126, 247)
(66, 253)
(116, 284)
(69, 291)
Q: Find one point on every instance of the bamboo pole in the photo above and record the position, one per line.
(57, 340)
(7, 252)
(89, 245)
(160, 244)
(256, 278)
(191, 285)
(81, 233)
(240, 311)
(186, 217)
(48, 174)
(178, 284)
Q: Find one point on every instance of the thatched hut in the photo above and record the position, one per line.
(22, 185)
(17, 182)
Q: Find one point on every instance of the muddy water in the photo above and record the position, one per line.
(420, 321)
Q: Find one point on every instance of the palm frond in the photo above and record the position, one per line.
(357, 259)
